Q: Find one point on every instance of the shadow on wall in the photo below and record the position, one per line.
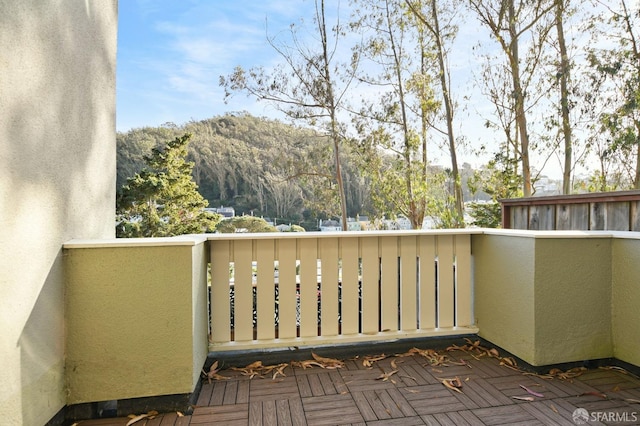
(42, 355)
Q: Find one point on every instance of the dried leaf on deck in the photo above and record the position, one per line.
(594, 393)
(508, 361)
(213, 373)
(615, 368)
(454, 384)
(279, 370)
(461, 362)
(531, 392)
(368, 361)
(134, 419)
(306, 364)
(386, 376)
(524, 398)
(455, 348)
(328, 362)
(493, 352)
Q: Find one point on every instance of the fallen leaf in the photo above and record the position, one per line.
(134, 419)
(454, 384)
(524, 398)
(534, 393)
(616, 389)
(508, 361)
(328, 362)
(493, 352)
(616, 368)
(386, 376)
(594, 393)
(254, 365)
(553, 408)
(179, 414)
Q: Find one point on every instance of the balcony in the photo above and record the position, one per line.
(144, 315)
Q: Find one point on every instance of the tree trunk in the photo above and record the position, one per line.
(331, 105)
(457, 185)
(521, 118)
(564, 100)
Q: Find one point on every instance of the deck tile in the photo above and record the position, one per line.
(414, 395)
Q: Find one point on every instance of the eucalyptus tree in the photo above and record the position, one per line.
(307, 85)
(392, 125)
(564, 78)
(614, 58)
(429, 16)
(514, 24)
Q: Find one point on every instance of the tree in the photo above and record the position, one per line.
(564, 75)
(499, 181)
(616, 76)
(509, 21)
(387, 124)
(305, 87)
(439, 35)
(163, 200)
(244, 224)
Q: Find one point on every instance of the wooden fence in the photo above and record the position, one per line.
(614, 211)
(279, 290)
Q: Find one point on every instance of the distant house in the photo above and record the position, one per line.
(330, 225)
(223, 211)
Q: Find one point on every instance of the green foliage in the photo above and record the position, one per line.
(162, 199)
(498, 179)
(244, 224)
(256, 165)
(486, 215)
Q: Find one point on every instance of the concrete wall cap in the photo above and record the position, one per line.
(180, 240)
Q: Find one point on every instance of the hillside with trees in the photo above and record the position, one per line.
(256, 165)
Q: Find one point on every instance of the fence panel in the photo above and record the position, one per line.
(273, 291)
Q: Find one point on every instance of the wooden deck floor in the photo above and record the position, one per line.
(408, 390)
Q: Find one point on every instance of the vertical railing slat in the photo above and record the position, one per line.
(445, 282)
(220, 315)
(463, 281)
(329, 286)
(350, 282)
(287, 297)
(265, 289)
(389, 280)
(370, 275)
(428, 301)
(243, 303)
(308, 287)
(408, 285)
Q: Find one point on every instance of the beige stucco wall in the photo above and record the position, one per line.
(136, 317)
(504, 291)
(626, 299)
(57, 181)
(544, 297)
(572, 300)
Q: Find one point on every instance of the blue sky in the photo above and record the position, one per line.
(172, 53)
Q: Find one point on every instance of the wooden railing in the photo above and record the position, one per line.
(279, 290)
